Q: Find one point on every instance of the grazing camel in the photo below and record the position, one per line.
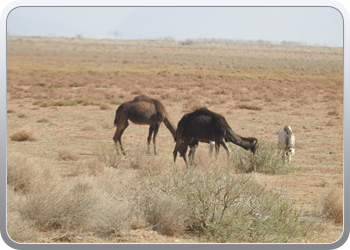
(142, 110)
(205, 126)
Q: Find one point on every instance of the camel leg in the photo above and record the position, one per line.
(228, 151)
(155, 132)
(118, 136)
(211, 147)
(151, 129)
(217, 147)
(191, 153)
(178, 145)
(182, 149)
(283, 156)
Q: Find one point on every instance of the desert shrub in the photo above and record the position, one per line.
(23, 135)
(61, 206)
(89, 127)
(331, 204)
(108, 155)
(115, 209)
(76, 84)
(226, 207)
(20, 230)
(251, 107)
(20, 172)
(105, 106)
(266, 160)
(89, 167)
(22, 116)
(66, 155)
(43, 120)
(164, 213)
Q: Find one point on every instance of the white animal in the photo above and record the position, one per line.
(286, 143)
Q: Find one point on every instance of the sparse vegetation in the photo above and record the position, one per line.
(331, 204)
(23, 135)
(266, 161)
(72, 186)
(218, 204)
(248, 106)
(67, 155)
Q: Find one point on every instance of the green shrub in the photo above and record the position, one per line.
(266, 160)
(226, 207)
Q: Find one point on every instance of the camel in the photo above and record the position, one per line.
(203, 125)
(142, 110)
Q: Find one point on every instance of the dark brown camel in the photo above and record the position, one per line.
(204, 125)
(143, 110)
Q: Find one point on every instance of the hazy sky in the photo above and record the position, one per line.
(310, 25)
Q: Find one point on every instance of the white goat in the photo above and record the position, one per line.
(286, 143)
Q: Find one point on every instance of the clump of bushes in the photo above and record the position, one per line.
(227, 207)
(331, 204)
(23, 135)
(248, 106)
(266, 160)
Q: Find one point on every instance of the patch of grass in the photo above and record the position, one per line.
(54, 86)
(91, 167)
(76, 84)
(60, 206)
(104, 106)
(21, 172)
(22, 116)
(43, 120)
(251, 107)
(226, 207)
(67, 155)
(331, 204)
(265, 160)
(89, 127)
(23, 135)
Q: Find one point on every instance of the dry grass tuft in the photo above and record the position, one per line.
(43, 120)
(89, 127)
(23, 135)
(22, 116)
(92, 167)
(331, 204)
(104, 106)
(20, 172)
(333, 113)
(251, 107)
(67, 155)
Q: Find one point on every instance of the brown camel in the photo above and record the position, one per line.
(204, 125)
(142, 110)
